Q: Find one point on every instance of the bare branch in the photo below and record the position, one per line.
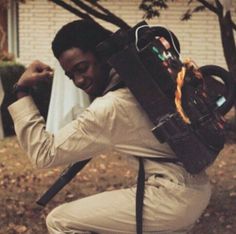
(108, 17)
(99, 6)
(233, 24)
(199, 8)
(72, 9)
(89, 9)
(186, 16)
(209, 6)
(112, 18)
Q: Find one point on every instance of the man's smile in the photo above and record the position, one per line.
(86, 86)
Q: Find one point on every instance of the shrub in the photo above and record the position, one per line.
(10, 72)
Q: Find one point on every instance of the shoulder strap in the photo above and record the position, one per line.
(141, 189)
(141, 83)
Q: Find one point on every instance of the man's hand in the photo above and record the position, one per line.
(36, 72)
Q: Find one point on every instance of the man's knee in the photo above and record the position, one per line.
(53, 222)
(58, 223)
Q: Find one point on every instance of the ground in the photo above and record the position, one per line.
(21, 186)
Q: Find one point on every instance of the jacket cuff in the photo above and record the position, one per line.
(22, 108)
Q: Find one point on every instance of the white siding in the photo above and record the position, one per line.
(40, 19)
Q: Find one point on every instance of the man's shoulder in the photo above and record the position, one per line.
(113, 100)
(122, 94)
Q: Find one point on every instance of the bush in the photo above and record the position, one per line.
(10, 72)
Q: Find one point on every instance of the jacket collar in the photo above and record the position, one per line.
(115, 82)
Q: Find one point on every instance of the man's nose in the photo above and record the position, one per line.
(79, 80)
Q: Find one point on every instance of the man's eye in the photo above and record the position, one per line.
(77, 70)
(81, 69)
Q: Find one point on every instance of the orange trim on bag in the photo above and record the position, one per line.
(179, 84)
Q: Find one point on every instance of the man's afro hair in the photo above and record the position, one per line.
(82, 34)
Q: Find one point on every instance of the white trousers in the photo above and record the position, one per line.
(168, 208)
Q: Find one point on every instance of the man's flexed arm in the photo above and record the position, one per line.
(77, 141)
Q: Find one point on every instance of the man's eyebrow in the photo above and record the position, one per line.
(80, 63)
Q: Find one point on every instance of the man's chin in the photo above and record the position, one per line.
(91, 93)
(94, 91)
(94, 94)
(89, 90)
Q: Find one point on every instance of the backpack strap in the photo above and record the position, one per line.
(141, 189)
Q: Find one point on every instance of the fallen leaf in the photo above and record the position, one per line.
(207, 214)
(70, 195)
(20, 228)
(232, 194)
(3, 150)
(102, 166)
(228, 226)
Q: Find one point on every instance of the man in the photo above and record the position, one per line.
(173, 200)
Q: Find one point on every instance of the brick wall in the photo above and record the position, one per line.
(40, 19)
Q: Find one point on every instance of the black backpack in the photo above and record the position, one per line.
(174, 94)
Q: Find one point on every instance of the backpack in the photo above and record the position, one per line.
(173, 93)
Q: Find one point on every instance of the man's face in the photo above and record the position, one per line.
(85, 71)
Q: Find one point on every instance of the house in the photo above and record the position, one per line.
(38, 21)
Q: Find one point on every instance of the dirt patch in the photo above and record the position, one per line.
(21, 186)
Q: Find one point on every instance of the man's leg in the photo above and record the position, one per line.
(108, 212)
(168, 208)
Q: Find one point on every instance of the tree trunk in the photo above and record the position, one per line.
(229, 47)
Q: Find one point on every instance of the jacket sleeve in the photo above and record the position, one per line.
(81, 139)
